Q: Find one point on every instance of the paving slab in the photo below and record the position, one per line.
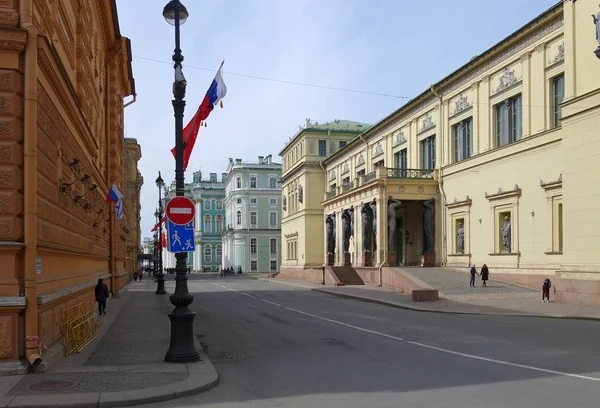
(123, 367)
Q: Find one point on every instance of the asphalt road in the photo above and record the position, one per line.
(277, 345)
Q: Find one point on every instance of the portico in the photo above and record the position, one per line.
(390, 216)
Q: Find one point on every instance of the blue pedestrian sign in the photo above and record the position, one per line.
(180, 238)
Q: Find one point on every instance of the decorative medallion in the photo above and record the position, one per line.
(401, 189)
(421, 189)
(360, 161)
(561, 54)
(378, 150)
(507, 79)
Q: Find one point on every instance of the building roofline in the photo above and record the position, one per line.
(321, 130)
(439, 86)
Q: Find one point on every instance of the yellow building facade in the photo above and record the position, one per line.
(65, 70)
(131, 232)
(476, 169)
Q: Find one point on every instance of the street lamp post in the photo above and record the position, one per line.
(155, 263)
(160, 281)
(182, 348)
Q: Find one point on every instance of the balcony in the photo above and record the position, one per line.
(381, 173)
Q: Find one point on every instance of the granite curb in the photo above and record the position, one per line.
(202, 376)
(447, 311)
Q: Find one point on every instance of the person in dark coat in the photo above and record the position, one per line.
(473, 273)
(101, 291)
(546, 290)
(485, 274)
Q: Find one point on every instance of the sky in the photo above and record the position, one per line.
(382, 52)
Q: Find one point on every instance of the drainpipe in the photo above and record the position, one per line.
(134, 100)
(444, 256)
(30, 184)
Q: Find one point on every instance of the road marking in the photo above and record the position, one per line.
(287, 283)
(423, 345)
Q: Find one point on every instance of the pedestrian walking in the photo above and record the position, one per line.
(473, 272)
(140, 274)
(102, 293)
(546, 290)
(485, 275)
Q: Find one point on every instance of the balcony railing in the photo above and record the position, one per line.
(348, 186)
(331, 193)
(410, 174)
(369, 177)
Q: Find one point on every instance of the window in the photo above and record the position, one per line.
(380, 163)
(253, 246)
(322, 148)
(558, 94)
(400, 159)
(507, 119)
(361, 173)
(253, 221)
(559, 227)
(219, 224)
(252, 182)
(272, 201)
(219, 254)
(273, 219)
(272, 182)
(207, 204)
(238, 218)
(239, 201)
(207, 224)
(253, 266)
(462, 140)
(428, 153)
(253, 201)
(207, 254)
(238, 182)
(273, 266)
(273, 246)
(342, 144)
(346, 181)
(219, 205)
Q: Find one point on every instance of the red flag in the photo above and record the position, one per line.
(156, 226)
(164, 239)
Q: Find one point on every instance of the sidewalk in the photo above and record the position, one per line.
(520, 302)
(124, 366)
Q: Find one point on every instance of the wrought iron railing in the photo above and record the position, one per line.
(331, 193)
(348, 186)
(369, 177)
(410, 173)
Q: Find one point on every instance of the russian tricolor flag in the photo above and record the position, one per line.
(216, 92)
(114, 194)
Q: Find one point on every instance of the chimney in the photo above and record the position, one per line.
(213, 177)
(268, 159)
(223, 177)
(238, 161)
(260, 159)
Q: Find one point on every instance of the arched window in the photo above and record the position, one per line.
(207, 224)
(219, 224)
(207, 254)
(238, 217)
(253, 182)
(219, 254)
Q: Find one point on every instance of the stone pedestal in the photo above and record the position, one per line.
(367, 259)
(429, 259)
(392, 259)
(330, 259)
(347, 259)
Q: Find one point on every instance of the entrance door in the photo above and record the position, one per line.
(399, 241)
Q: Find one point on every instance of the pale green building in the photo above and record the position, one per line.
(252, 238)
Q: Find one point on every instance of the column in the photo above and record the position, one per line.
(477, 129)
(530, 113)
(381, 230)
(485, 127)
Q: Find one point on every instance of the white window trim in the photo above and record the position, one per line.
(204, 221)
(250, 177)
(276, 265)
(274, 256)
(271, 225)
(271, 202)
(255, 262)
(255, 201)
(255, 213)
(207, 201)
(238, 181)
(253, 255)
(272, 176)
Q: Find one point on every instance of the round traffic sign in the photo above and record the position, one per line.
(180, 210)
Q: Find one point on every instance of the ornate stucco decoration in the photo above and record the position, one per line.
(345, 168)
(461, 104)
(507, 79)
(332, 175)
(427, 123)
(561, 54)
(360, 161)
(400, 138)
(377, 150)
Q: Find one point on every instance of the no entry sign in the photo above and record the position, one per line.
(180, 210)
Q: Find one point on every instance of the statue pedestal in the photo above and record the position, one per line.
(429, 259)
(392, 259)
(330, 259)
(347, 259)
(367, 259)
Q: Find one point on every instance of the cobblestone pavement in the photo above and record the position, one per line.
(69, 383)
(450, 282)
(139, 334)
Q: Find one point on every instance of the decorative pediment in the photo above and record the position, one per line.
(460, 203)
(515, 192)
(461, 104)
(427, 123)
(552, 185)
